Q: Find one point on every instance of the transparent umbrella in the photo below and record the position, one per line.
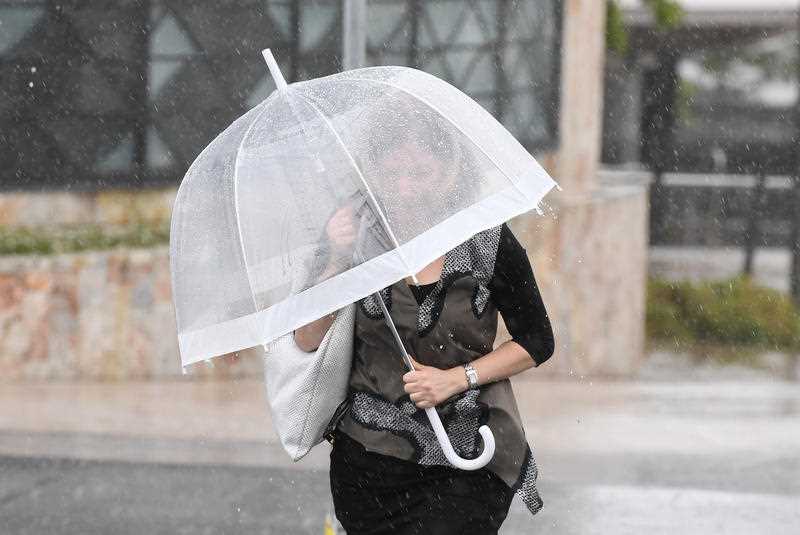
(421, 164)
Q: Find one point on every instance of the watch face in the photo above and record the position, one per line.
(472, 377)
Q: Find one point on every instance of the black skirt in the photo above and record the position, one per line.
(380, 494)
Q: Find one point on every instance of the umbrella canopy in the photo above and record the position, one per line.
(422, 165)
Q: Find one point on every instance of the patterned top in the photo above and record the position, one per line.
(514, 290)
(455, 323)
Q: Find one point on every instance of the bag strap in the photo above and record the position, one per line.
(338, 414)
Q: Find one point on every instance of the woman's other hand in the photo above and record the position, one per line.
(429, 386)
(341, 231)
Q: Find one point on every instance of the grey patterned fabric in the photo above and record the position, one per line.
(405, 419)
(525, 487)
(475, 256)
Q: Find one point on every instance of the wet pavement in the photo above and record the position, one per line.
(679, 456)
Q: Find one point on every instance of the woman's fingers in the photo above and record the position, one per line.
(341, 228)
(416, 385)
(411, 377)
(342, 224)
(342, 237)
(420, 400)
(413, 387)
(345, 212)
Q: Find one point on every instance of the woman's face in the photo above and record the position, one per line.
(413, 173)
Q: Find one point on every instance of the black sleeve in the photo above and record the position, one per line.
(517, 298)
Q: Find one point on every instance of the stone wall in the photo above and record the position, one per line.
(98, 315)
(105, 207)
(590, 262)
(109, 314)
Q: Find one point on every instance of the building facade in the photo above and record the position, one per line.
(97, 94)
(106, 98)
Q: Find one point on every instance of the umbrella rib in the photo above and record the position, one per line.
(236, 202)
(381, 215)
(448, 119)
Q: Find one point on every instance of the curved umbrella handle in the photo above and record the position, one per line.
(433, 416)
(459, 462)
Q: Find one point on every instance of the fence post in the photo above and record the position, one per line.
(658, 118)
(753, 236)
(794, 242)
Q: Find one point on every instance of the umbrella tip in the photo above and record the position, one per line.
(274, 70)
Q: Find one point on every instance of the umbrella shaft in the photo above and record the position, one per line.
(433, 416)
(392, 328)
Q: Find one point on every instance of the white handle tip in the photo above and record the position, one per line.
(274, 70)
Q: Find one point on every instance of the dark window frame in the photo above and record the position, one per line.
(132, 72)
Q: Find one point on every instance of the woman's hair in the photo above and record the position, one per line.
(393, 126)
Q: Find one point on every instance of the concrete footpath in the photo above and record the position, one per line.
(678, 456)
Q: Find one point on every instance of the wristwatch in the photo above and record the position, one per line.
(472, 375)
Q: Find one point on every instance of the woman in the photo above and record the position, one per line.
(388, 474)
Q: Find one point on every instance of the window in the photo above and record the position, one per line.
(96, 94)
(503, 53)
